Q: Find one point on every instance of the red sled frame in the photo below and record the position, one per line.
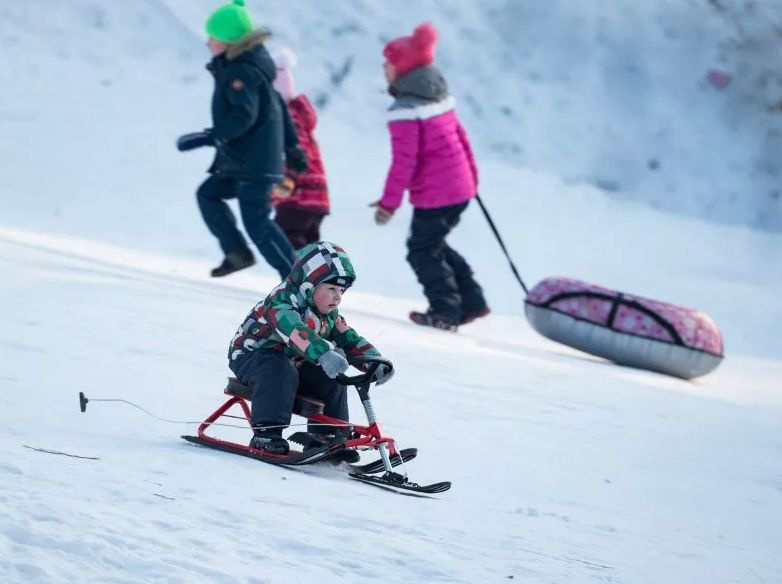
(361, 437)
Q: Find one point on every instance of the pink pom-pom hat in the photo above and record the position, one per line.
(410, 52)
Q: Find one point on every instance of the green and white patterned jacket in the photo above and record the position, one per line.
(287, 319)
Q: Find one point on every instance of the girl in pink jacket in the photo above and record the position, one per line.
(433, 161)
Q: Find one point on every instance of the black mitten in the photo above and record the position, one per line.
(296, 159)
(195, 140)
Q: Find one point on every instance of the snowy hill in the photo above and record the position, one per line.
(95, 97)
(616, 96)
(565, 468)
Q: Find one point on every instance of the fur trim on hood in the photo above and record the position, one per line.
(249, 41)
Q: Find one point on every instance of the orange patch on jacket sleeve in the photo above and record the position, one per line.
(237, 84)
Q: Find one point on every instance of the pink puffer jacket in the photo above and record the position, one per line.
(431, 157)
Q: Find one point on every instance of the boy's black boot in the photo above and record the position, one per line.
(346, 455)
(234, 262)
(320, 440)
(272, 443)
(429, 318)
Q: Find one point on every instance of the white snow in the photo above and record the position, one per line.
(565, 468)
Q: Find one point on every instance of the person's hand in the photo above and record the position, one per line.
(296, 160)
(383, 373)
(382, 214)
(195, 140)
(284, 189)
(333, 363)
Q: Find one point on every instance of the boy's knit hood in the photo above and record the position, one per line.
(287, 320)
(316, 263)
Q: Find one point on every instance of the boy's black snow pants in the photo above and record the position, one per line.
(255, 207)
(275, 382)
(447, 278)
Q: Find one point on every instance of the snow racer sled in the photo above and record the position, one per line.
(360, 437)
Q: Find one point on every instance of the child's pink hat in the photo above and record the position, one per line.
(410, 52)
(285, 60)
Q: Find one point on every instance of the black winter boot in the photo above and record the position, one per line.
(319, 440)
(271, 443)
(234, 262)
(348, 455)
(429, 318)
(474, 315)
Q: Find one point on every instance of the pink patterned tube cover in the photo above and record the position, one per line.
(625, 313)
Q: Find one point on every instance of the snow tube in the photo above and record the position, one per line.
(626, 329)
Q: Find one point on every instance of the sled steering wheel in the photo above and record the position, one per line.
(370, 363)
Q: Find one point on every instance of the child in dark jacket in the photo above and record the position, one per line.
(295, 342)
(252, 132)
(433, 160)
(302, 200)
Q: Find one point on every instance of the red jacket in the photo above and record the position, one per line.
(311, 191)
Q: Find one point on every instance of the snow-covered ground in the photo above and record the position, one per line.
(565, 468)
(613, 95)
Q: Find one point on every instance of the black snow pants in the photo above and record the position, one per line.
(275, 382)
(447, 278)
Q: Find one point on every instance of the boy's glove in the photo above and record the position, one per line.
(382, 214)
(333, 363)
(195, 140)
(296, 160)
(383, 373)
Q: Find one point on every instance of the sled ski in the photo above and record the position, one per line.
(377, 465)
(399, 483)
(292, 459)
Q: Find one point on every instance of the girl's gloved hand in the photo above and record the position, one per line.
(382, 215)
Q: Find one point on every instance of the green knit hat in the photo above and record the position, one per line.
(230, 22)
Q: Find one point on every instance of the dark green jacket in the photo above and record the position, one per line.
(252, 127)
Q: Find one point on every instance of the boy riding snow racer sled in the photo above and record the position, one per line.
(295, 342)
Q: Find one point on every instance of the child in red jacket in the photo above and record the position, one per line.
(302, 200)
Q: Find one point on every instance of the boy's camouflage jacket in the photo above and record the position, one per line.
(287, 319)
